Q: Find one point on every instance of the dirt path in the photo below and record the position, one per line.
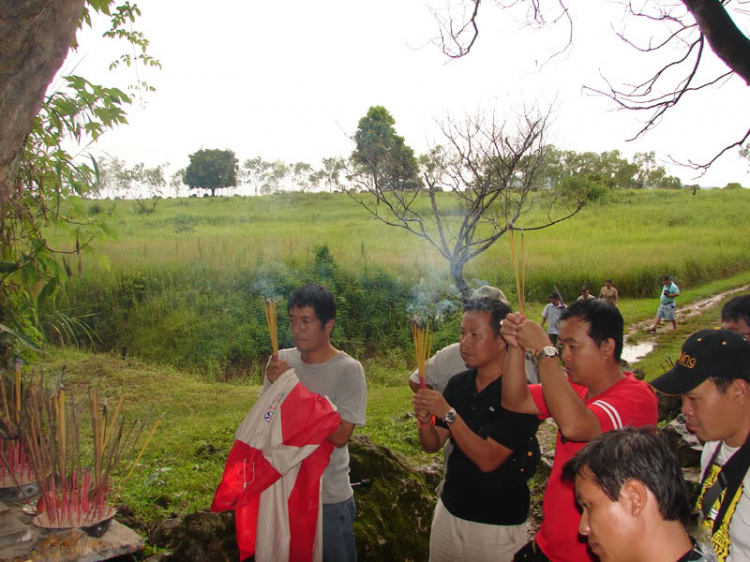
(684, 312)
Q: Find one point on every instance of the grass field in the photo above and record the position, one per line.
(632, 236)
(180, 295)
(182, 288)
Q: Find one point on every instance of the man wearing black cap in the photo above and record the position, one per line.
(712, 374)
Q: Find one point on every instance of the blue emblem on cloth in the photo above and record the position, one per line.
(268, 416)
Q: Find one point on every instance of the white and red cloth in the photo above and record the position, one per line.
(272, 477)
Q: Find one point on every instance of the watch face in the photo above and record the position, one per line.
(548, 351)
(450, 416)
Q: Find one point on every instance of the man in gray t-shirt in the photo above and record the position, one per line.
(551, 315)
(325, 370)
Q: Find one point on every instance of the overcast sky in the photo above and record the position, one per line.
(289, 79)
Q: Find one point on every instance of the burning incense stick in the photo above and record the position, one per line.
(422, 336)
(269, 307)
(520, 290)
(18, 390)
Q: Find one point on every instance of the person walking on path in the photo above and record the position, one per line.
(666, 304)
(585, 293)
(551, 316)
(608, 292)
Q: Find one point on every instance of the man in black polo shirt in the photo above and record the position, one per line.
(485, 502)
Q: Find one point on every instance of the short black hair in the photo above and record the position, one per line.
(585, 288)
(737, 309)
(604, 319)
(496, 308)
(642, 454)
(554, 295)
(316, 296)
(666, 278)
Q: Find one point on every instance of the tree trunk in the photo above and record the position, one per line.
(726, 40)
(34, 39)
(457, 271)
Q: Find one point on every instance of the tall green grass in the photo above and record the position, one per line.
(632, 236)
(181, 288)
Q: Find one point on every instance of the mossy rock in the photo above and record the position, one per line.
(198, 537)
(394, 513)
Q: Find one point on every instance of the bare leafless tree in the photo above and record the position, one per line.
(684, 29)
(488, 169)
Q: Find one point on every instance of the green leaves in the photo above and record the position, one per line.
(20, 337)
(33, 270)
(8, 267)
(212, 169)
(383, 154)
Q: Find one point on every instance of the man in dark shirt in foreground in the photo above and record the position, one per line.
(485, 502)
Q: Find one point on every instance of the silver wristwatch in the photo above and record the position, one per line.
(450, 416)
(546, 351)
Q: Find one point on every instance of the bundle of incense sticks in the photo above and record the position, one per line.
(11, 414)
(422, 336)
(269, 307)
(75, 494)
(520, 283)
(15, 469)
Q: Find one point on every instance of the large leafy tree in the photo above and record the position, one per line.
(41, 183)
(383, 154)
(212, 169)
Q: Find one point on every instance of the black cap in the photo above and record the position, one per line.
(706, 354)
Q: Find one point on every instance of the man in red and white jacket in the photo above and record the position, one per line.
(272, 477)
